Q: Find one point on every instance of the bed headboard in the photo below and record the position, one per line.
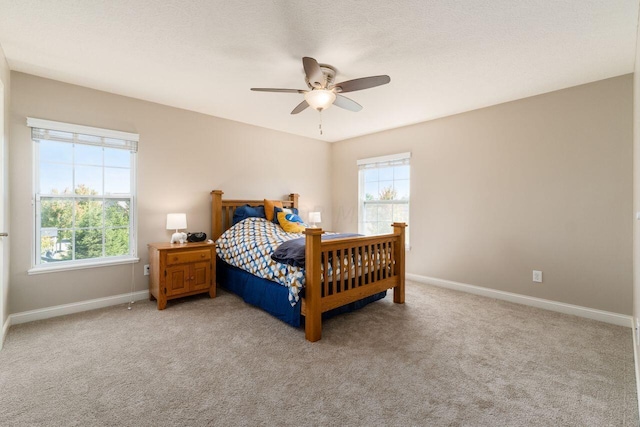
(222, 210)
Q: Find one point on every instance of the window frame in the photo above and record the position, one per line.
(130, 141)
(361, 199)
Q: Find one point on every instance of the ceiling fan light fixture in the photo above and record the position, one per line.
(320, 99)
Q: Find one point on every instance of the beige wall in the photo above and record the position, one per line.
(540, 183)
(182, 157)
(4, 253)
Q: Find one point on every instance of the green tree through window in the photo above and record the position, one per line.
(90, 230)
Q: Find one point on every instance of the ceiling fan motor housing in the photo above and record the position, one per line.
(329, 73)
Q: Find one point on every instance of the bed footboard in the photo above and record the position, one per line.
(342, 271)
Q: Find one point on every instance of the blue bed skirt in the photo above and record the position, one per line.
(272, 297)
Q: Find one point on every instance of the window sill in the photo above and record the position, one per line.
(54, 268)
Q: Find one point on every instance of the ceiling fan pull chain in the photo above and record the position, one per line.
(320, 125)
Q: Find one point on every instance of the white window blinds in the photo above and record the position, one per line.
(78, 134)
(385, 161)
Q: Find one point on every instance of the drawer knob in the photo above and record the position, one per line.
(202, 255)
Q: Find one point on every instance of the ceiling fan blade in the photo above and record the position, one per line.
(268, 89)
(362, 83)
(347, 104)
(313, 72)
(300, 107)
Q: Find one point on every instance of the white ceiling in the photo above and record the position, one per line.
(443, 56)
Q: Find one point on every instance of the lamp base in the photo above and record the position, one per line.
(178, 237)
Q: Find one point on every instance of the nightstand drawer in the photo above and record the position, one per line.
(183, 257)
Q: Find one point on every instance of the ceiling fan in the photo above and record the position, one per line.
(323, 92)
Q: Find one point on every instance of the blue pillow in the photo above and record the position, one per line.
(246, 211)
(276, 209)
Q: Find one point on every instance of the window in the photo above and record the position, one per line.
(84, 195)
(383, 193)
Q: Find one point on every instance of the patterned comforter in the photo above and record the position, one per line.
(249, 244)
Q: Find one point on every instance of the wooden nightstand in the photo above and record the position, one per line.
(177, 270)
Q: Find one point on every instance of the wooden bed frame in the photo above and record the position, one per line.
(384, 255)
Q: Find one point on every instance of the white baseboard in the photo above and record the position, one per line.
(76, 307)
(576, 310)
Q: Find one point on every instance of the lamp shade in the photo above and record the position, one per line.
(320, 99)
(315, 217)
(176, 221)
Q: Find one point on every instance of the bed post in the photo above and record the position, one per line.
(294, 198)
(313, 316)
(398, 290)
(216, 214)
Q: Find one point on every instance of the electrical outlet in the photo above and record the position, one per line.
(537, 276)
(146, 269)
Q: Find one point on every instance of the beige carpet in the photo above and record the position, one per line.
(443, 359)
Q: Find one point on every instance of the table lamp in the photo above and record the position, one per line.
(176, 221)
